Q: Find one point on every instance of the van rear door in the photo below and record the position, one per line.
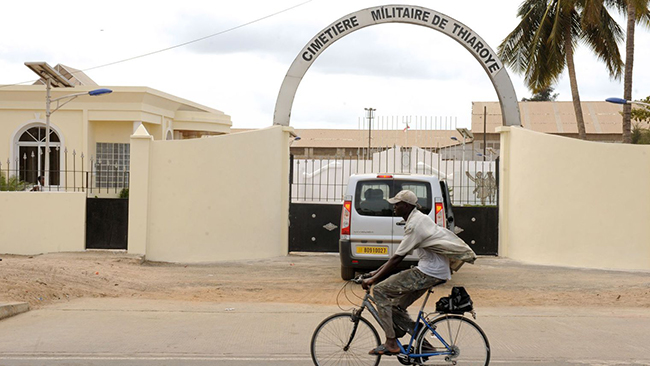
(449, 213)
(372, 219)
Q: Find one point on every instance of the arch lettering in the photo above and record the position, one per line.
(399, 14)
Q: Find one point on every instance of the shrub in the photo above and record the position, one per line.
(640, 135)
(12, 184)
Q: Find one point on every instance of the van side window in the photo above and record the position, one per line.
(422, 190)
(371, 199)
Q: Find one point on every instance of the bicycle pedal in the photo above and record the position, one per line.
(405, 360)
(408, 360)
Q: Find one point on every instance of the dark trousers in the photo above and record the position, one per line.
(396, 293)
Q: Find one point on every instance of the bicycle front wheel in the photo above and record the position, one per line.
(465, 342)
(338, 340)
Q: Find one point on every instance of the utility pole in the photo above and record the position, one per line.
(484, 131)
(370, 117)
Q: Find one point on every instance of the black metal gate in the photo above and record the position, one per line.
(107, 222)
(480, 227)
(314, 227)
(315, 218)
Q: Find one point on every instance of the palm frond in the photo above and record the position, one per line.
(602, 35)
(619, 5)
(514, 50)
(591, 10)
(548, 29)
(642, 8)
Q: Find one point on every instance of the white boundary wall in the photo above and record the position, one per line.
(211, 199)
(42, 222)
(568, 202)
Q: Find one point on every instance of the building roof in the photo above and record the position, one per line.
(553, 117)
(601, 118)
(341, 138)
(125, 103)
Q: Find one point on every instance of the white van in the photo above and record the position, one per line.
(370, 231)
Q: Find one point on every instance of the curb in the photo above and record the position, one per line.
(13, 308)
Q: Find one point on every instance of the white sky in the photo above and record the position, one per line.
(399, 69)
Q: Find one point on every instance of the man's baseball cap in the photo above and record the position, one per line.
(404, 196)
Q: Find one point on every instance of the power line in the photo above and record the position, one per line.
(200, 39)
(179, 45)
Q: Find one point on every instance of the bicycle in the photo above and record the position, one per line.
(441, 339)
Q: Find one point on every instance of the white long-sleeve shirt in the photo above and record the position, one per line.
(436, 246)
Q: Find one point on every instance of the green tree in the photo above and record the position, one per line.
(545, 95)
(641, 114)
(541, 46)
(640, 134)
(636, 11)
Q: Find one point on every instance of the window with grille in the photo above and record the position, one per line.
(112, 165)
(31, 155)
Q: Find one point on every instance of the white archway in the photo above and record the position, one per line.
(399, 14)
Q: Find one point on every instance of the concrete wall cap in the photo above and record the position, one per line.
(141, 133)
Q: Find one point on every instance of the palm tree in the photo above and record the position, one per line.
(636, 11)
(542, 45)
(546, 95)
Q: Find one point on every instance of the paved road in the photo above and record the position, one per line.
(103, 332)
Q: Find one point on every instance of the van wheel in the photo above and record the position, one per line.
(347, 273)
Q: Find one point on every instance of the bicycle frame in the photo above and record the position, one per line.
(368, 301)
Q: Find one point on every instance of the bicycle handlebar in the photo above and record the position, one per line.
(360, 278)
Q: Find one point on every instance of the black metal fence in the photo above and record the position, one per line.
(471, 182)
(75, 174)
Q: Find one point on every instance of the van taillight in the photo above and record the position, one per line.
(345, 218)
(385, 176)
(440, 214)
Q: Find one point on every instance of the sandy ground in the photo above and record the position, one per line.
(298, 278)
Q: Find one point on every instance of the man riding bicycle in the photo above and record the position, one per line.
(440, 252)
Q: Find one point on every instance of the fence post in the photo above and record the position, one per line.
(139, 191)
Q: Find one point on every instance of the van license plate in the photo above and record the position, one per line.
(372, 250)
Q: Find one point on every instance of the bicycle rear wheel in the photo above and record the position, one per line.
(466, 340)
(331, 344)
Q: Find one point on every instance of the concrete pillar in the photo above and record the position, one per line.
(139, 191)
(504, 190)
(284, 177)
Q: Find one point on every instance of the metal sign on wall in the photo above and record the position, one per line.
(399, 14)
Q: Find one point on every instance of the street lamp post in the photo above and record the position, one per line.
(370, 117)
(490, 153)
(54, 79)
(46, 168)
(625, 101)
(466, 134)
(49, 112)
(462, 163)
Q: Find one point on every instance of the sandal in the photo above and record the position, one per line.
(383, 351)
